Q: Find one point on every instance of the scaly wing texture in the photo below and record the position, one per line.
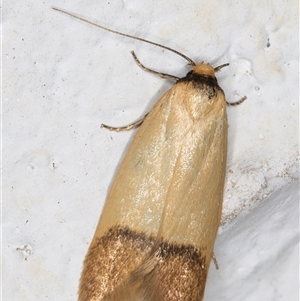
(156, 233)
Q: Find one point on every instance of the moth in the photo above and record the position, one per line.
(155, 237)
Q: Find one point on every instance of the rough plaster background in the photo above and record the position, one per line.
(62, 78)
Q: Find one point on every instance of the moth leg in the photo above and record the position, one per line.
(220, 67)
(214, 258)
(125, 128)
(162, 75)
(236, 103)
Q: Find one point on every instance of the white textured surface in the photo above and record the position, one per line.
(258, 257)
(63, 78)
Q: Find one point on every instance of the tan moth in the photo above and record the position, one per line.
(155, 237)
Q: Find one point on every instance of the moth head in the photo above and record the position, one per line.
(207, 69)
(204, 69)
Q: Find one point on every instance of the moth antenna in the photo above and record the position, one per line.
(191, 62)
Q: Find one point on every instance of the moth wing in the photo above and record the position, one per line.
(131, 216)
(141, 244)
(181, 256)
